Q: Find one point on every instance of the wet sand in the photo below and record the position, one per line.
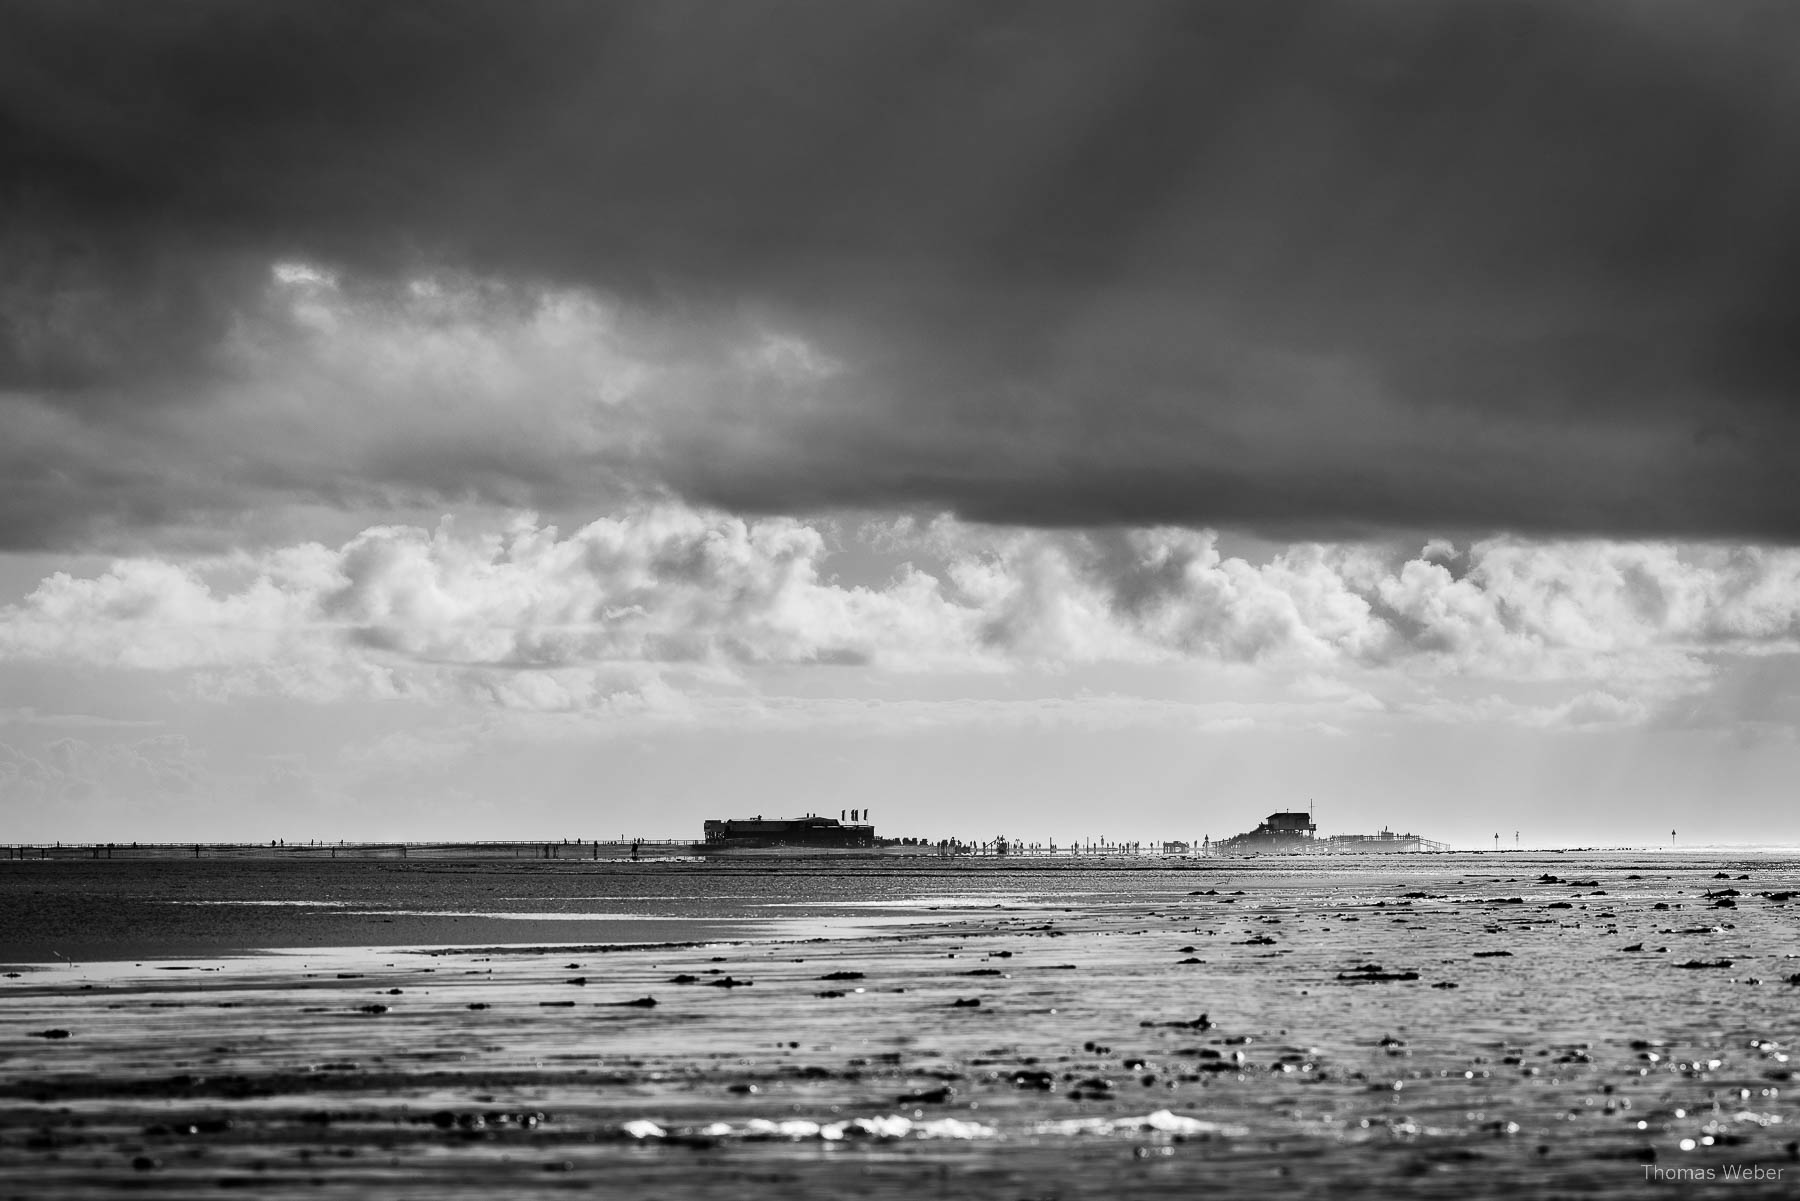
(1413, 1026)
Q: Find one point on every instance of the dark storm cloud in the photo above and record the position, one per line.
(1301, 267)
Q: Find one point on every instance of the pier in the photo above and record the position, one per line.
(657, 848)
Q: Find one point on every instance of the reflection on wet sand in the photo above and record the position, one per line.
(1373, 1029)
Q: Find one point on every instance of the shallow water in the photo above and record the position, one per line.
(85, 910)
(1569, 1065)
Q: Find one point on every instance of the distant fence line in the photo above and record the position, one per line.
(640, 848)
(578, 849)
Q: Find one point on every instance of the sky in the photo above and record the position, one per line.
(1050, 420)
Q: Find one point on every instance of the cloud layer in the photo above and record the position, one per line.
(1297, 267)
(73, 772)
(663, 599)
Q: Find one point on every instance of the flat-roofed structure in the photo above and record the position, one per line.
(808, 831)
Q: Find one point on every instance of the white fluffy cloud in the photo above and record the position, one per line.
(635, 608)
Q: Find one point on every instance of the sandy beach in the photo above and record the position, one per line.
(1408, 1025)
